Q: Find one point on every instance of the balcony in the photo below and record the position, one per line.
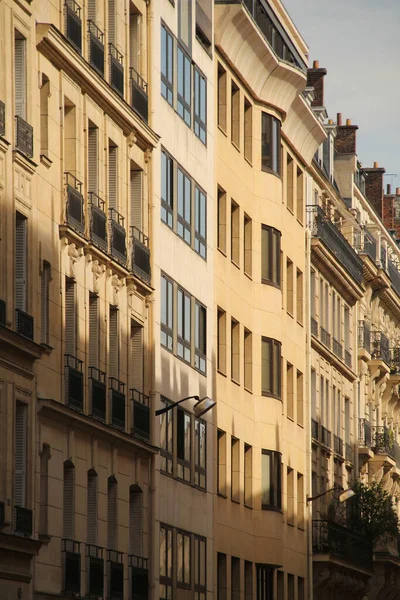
(364, 433)
(364, 336)
(382, 440)
(116, 69)
(139, 97)
(325, 338)
(349, 453)
(347, 358)
(95, 567)
(97, 394)
(73, 24)
(72, 567)
(75, 204)
(117, 236)
(341, 543)
(96, 47)
(337, 349)
(384, 260)
(395, 361)
(24, 323)
(314, 327)
(368, 244)
(322, 227)
(3, 313)
(23, 136)
(140, 414)
(139, 576)
(380, 347)
(117, 400)
(315, 430)
(115, 575)
(2, 118)
(338, 445)
(394, 275)
(23, 521)
(140, 255)
(73, 382)
(98, 221)
(326, 437)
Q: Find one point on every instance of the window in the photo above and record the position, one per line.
(167, 189)
(235, 114)
(235, 233)
(113, 343)
(167, 65)
(184, 445)
(289, 391)
(135, 520)
(70, 136)
(289, 183)
(20, 262)
(247, 250)
(93, 168)
(235, 351)
(68, 500)
(248, 475)
(235, 469)
(347, 420)
(300, 399)
(290, 496)
(300, 588)
(271, 367)
(300, 195)
(265, 582)
(166, 440)
(112, 175)
(184, 310)
(221, 97)
(111, 21)
(271, 480)
(166, 313)
(299, 296)
(280, 585)
(184, 558)
(44, 490)
(166, 561)
(313, 299)
(300, 501)
(184, 73)
(248, 580)
(200, 555)
(45, 302)
(20, 74)
(270, 144)
(200, 446)
(185, 22)
(313, 395)
(221, 234)
(221, 577)
(290, 585)
(70, 317)
(94, 331)
(112, 523)
(221, 341)
(200, 332)
(44, 115)
(136, 356)
(91, 536)
(270, 255)
(248, 130)
(200, 212)
(248, 359)
(221, 463)
(200, 105)
(289, 287)
(235, 578)
(20, 454)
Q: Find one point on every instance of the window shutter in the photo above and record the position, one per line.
(92, 14)
(93, 160)
(136, 199)
(93, 331)
(114, 343)
(137, 358)
(134, 42)
(20, 454)
(20, 77)
(92, 507)
(111, 21)
(20, 263)
(112, 177)
(44, 308)
(135, 522)
(70, 317)
(112, 513)
(68, 509)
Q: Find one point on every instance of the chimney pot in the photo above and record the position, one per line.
(330, 122)
(398, 191)
(376, 165)
(388, 189)
(339, 119)
(348, 122)
(316, 64)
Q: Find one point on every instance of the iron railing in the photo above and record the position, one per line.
(73, 371)
(314, 327)
(364, 336)
(338, 445)
(315, 430)
(331, 538)
(115, 575)
(117, 235)
(140, 254)
(95, 566)
(23, 520)
(364, 433)
(74, 203)
(117, 400)
(140, 414)
(23, 136)
(326, 437)
(384, 260)
(382, 440)
(116, 69)
(347, 358)
(72, 567)
(349, 454)
(337, 348)
(2, 118)
(24, 323)
(394, 275)
(139, 576)
(368, 244)
(395, 360)
(139, 97)
(96, 47)
(380, 347)
(3, 313)
(322, 227)
(325, 337)
(97, 394)
(73, 24)
(98, 220)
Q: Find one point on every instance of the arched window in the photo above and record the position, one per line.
(112, 513)
(92, 507)
(135, 520)
(68, 497)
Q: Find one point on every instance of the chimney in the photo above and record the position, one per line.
(388, 189)
(346, 138)
(374, 192)
(315, 79)
(398, 191)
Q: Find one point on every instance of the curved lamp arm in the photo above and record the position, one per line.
(161, 411)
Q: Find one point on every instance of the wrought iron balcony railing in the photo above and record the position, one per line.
(364, 336)
(382, 440)
(347, 358)
(338, 445)
(326, 437)
(24, 324)
(394, 275)
(395, 361)
(73, 372)
(97, 394)
(349, 455)
(325, 337)
(117, 235)
(23, 520)
(95, 566)
(140, 254)
(384, 258)
(115, 574)
(368, 244)
(23, 136)
(322, 227)
(315, 430)
(117, 401)
(340, 542)
(74, 203)
(96, 47)
(139, 575)
(72, 567)
(116, 69)
(2, 118)
(139, 97)
(364, 433)
(140, 414)
(314, 327)
(73, 24)
(337, 348)
(98, 221)
(3, 313)
(380, 347)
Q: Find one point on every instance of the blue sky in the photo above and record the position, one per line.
(358, 42)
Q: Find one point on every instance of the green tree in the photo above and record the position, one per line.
(372, 513)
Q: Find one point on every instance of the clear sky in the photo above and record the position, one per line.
(358, 42)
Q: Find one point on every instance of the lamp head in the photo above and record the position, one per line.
(202, 406)
(346, 495)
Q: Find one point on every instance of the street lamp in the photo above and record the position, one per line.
(343, 497)
(202, 405)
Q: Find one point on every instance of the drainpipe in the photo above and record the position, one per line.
(308, 420)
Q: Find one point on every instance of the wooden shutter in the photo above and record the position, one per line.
(20, 77)
(93, 160)
(20, 262)
(91, 12)
(20, 454)
(111, 21)
(70, 317)
(44, 306)
(136, 199)
(114, 343)
(112, 176)
(94, 331)
(68, 497)
(134, 42)
(135, 521)
(92, 507)
(112, 513)
(137, 358)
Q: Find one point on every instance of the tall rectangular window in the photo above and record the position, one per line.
(221, 341)
(20, 454)
(235, 469)
(221, 234)
(290, 496)
(270, 144)
(183, 575)
(221, 462)
(300, 501)
(19, 75)
(290, 183)
(248, 475)
(247, 250)
(166, 562)
(167, 65)
(184, 445)
(200, 105)
(184, 72)
(313, 292)
(347, 334)
(136, 197)
(271, 367)
(93, 158)
(200, 563)
(300, 399)
(235, 114)
(112, 175)
(137, 356)
(94, 331)
(184, 311)
(45, 277)
(313, 395)
(289, 287)
(184, 224)
(300, 195)
(299, 296)
(185, 22)
(167, 313)
(235, 578)
(300, 588)
(167, 189)
(265, 582)
(271, 473)
(91, 507)
(235, 233)
(70, 317)
(270, 255)
(347, 420)
(248, 580)
(200, 222)
(200, 337)
(112, 518)
(289, 390)
(221, 577)
(111, 21)
(20, 261)
(248, 130)
(44, 115)
(290, 586)
(113, 342)
(235, 350)
(248, 359)
(200, 445)
(166, 440)
(68, 500)
(222, 82)
(280, 585)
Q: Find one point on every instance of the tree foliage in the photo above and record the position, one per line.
(372, 513)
